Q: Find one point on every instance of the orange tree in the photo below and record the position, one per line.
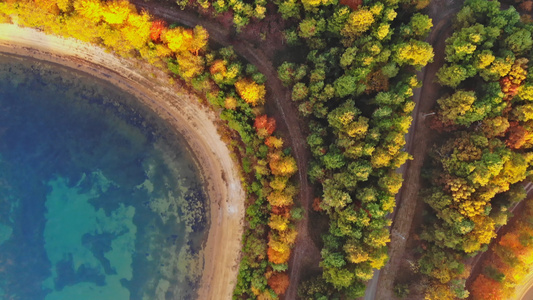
(509, 262)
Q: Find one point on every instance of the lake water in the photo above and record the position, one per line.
(99, 199)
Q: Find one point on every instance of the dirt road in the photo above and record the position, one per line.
(407, 198)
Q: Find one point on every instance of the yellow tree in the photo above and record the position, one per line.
(178, 39)
(274, 142)
(283, 165)
(358, 22)
(526, 92)
(279, 183)
(79, 28)
(456, 105)
(116, 12)
(278, 252)
(64, 5)
(288, 236)
(354, 252)
(48, 5)
(311, 4)
(92, 10)
(114, 40)
(415, 53)
(280, 198)
(31, 15)
(137, 30)
(54, 6)
(279, 223)
(250, 91)
(482, 234)
(483, 59)
(438, 291)
(190, 65)
(199, 41)
(381, 158)
(230, 103)
(391, 182)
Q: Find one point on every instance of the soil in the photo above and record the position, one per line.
(184, 113)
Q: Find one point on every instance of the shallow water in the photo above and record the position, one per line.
(99, 199)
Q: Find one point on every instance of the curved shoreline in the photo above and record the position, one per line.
(185, 114)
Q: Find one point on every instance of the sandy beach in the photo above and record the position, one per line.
(184, 112)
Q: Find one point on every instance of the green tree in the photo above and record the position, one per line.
(338, 19)
(310, 27)
(418, 27)
(299, 91)
(339, 278)
(456, 105)
(333, 196)
(345, 85)
(333, 159)
(289, 9)
(520, 41)
(452, 75)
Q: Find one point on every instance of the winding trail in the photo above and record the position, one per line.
(305, 251)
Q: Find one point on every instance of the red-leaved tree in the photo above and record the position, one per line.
(279, 282)
(264, 125)
(157, 29)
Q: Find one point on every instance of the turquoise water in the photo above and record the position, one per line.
(99, 199)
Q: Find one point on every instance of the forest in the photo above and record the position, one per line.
(352, 69)
(475, 172)
(355, 87)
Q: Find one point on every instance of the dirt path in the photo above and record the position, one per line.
(305, 252)
(183, 112)
(407, 198)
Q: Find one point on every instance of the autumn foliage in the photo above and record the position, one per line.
(279, 282)
(353, 4)
(264, 125)
(516, 136)
(510, 260)
(157, 28)
(485, 288)
(527, 5)
(282, 165)
(279, 256)
(274, 142)
(483, 153)
(250, 91)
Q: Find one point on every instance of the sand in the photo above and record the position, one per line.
(182, 111)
